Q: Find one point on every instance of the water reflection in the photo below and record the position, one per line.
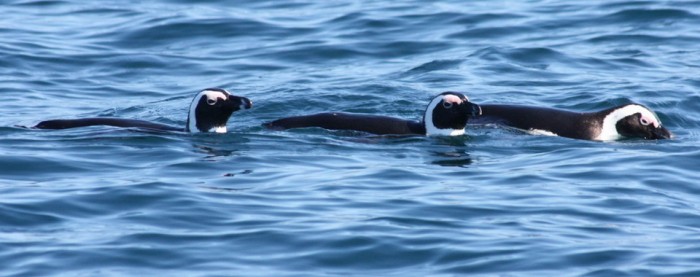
(214, 151)
(247, 171)
(455, 157)
(453, 152)
(218, 145)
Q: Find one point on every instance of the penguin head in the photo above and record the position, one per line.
(632, 121)
(211, 109)
(448, 113)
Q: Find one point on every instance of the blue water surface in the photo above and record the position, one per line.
(102, 201)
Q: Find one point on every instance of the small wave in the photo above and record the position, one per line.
(40, 3)
(213, 30)
(647, 16)
(494, 32)
(648, 39)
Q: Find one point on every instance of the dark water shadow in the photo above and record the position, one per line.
(215, 146)
(454, 152)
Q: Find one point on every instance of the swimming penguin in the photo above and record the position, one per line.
(446, 115)
(625, 121)
(209, 112)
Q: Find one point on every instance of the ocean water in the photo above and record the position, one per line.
(103, 201)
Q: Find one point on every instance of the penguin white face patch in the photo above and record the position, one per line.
(609, 129)
(452, 99)
(646, 120)
(448, 101)
(212, 97)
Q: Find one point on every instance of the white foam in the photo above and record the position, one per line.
(542, 132)
(219, 129)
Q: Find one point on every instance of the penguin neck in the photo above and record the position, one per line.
(191, 123)
(607, 120)
(191, 116)
(192, 127)
(431, 130)
(187, 126)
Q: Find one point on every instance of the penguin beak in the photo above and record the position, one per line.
(474, 109)
(661, 133)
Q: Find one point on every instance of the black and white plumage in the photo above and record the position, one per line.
(446, 115)
(209, 112)
(625, 121)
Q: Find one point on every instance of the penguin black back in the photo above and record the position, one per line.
(94, 121)
(446, 114)
(209, 111)
(380, 125)
(624, 121)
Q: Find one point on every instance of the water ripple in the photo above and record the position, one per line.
(313, 202)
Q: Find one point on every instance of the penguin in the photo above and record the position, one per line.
(446, 115)
(625, 121)
(209, 112)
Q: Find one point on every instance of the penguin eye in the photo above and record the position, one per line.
(447, 105)
(211, 101)
(644, 121)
